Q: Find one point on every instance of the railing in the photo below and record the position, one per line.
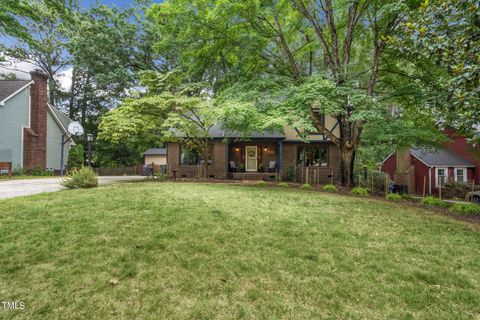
(310, 175)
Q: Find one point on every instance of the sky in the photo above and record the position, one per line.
(119, 3)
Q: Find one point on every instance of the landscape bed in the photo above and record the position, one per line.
(201, 251)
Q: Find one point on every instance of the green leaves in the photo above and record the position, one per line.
(448, 34)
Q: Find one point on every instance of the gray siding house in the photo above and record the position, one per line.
(30, 128)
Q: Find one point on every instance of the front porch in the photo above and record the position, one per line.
(253, 176)
(254, 160)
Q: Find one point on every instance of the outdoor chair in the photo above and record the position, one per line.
(271, 166)
(233, 166)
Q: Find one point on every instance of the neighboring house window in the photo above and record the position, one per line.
(191, 157)
(313, 156)
(460, 175)
(441, 176)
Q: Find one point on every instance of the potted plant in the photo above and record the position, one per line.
(260, 167)
(242, 167)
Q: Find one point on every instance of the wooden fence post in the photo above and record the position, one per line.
(440, 190)
(473, 185)
(331, 178)
(424, 185)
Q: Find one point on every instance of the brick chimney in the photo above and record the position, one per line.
(35, 137)
(405, 173)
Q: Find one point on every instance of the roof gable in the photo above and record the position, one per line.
(9, 88)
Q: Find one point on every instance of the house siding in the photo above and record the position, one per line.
(219, 170)
(156, 159)
(460, 146)
(389, 166)
(13, 115)
(54, 148)
(421, 175)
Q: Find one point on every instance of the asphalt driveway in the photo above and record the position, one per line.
(25, 187)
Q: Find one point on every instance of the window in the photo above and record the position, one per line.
(190, 157)
(460, 175)
(313, 156)
(441, 176)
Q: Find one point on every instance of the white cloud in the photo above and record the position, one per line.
(65, 79)
(22, 69)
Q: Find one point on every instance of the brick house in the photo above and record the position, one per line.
(262, 156)
(30, 128)
(457, 160)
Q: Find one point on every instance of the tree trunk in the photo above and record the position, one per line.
(71, 109)
(347, 162)
(205, 159)
(52, 88)
(348, 143)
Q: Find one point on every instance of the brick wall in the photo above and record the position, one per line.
(322, 175)
(219, 160)
(35, 137)
(173, 156)
(216, 170)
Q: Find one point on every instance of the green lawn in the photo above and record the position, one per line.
(203, 251)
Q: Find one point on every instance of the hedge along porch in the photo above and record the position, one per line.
(263, 156)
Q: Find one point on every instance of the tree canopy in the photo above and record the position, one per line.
(392, 73)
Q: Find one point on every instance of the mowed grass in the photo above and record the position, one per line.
(205, 251)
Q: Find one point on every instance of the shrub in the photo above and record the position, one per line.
(394, 197)
(306, 186)
(290, 173)
(359, 191)
(84, 177)
(466, 208)
(329, 188)
(282, 185)
(454, 189)
(18, 171)
(434, 202)
(39, 172)
(75, 157)
(262, 184)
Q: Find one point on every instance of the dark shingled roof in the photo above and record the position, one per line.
(217, 132)
(7, 87)
(155, 151)
(441, 157)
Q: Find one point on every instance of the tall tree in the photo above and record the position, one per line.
(326, 54)
(42, 40)
(109, 48)
(13, 14)
(439, 45)
(172, 110)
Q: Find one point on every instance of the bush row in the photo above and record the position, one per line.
(430, 201)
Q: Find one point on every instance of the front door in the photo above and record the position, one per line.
(251, 158)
